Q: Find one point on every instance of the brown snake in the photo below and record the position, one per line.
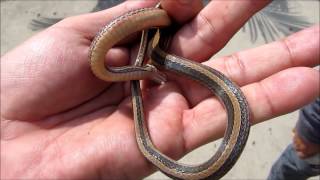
(237, 131)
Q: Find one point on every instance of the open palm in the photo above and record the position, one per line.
(59, 121)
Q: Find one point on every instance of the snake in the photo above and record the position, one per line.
(230, 95)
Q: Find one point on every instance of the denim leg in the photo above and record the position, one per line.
(290, 167)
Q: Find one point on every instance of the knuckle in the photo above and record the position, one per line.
(235, 67)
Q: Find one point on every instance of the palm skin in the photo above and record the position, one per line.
(59, 121)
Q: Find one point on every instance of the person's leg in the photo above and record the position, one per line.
(289, 166)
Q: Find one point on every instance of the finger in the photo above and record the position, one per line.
(213, 27)
(187, 9)
(256, 64)
(282, 93)
(117, 56)
(90, 24)
(278, 94)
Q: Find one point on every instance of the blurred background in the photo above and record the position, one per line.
(20, 19)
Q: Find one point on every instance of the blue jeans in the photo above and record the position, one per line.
(290, 167)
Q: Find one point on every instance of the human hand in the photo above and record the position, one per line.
(59, 121)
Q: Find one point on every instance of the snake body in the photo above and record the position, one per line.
(118, 29)
(238, 126)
